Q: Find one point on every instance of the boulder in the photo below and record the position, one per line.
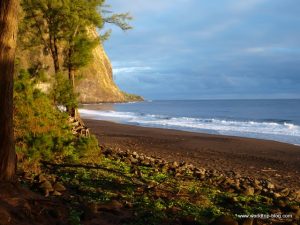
(249, 191)
(59, 187)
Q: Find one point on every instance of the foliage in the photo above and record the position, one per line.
(62, 92)
(63, 29)
(79, 54)
(132, 97)
(65, 25)
(41, 130)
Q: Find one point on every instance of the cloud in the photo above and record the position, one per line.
(201, 48)
(133, 69)
(276, 50)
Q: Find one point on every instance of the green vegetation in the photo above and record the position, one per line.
(51, 152)
(150, 193)
(154, 197)
(41, 130)
(63, 30)
(132, 97)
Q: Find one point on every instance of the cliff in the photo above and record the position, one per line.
(95, 83)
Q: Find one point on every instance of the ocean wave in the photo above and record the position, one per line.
(281, 131)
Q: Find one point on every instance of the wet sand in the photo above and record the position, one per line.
(278, 162)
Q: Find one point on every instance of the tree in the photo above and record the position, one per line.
(82, 16)
(63, 28)
(43, 23)
(8, 36)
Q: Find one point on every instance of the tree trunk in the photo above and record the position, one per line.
(72, 111)
(8, 36)
(56, 59)
(54, 53)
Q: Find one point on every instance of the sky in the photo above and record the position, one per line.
(204, 49)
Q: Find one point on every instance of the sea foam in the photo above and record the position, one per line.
(278, 131)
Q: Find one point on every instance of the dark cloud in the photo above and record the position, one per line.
(194, 49)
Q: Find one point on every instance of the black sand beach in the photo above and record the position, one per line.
(278, 162)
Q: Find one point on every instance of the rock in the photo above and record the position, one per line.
(285, 192)
(276, 195)
(258, 187)
(214, 173)
(237, 175)
(56, 193)
(224, 220)
(249, 191)
(270, 185)
(135, 154)
(200, 173)
(256, 182)
(46, 186)
(175, 165)
(248, 221)
(228, 181)
(59, 187)
(133, 160)
(297, 195)
(42, 178)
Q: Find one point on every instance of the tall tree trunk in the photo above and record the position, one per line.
(56, 59)
(72, 110)
(8, 36)
(54, 53)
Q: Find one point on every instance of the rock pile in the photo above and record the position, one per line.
(49, 185)
(78, 127)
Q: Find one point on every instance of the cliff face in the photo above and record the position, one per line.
(96, 82)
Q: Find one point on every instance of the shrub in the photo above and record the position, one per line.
(41, 129)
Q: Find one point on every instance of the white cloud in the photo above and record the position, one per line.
(133, 69)
(271, 49)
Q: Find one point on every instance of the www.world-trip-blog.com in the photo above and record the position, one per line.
(264, 216)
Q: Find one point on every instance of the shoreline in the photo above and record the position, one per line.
(261, 159)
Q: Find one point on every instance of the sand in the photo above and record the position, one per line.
(278, 162)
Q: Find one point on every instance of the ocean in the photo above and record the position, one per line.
(277, 120)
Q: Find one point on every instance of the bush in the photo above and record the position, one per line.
(41, 130)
